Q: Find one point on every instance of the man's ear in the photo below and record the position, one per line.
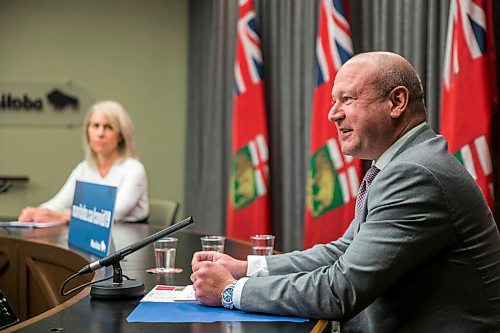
(399, 100)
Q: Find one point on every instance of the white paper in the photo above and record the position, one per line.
(30, 224)
(162, 293)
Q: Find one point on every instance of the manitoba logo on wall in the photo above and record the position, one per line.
(42, 104)
(61, 100)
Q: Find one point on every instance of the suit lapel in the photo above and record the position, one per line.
(423, 134)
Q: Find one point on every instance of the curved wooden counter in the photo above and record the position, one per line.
(35, 262)
(32, 271)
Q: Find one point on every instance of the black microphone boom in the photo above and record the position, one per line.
(5, 186)
(121, 254)
(119, 288)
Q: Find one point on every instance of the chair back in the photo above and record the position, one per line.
(162, 212)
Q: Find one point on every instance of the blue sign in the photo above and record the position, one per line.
(92, 217)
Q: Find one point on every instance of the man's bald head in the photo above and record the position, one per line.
(392, 70)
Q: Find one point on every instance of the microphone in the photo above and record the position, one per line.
(121, 254)
(120, 288)
(5, 186)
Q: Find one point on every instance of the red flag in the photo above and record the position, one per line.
(468, 89)
(333, 179)
(248, 207)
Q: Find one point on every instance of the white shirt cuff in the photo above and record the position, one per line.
(238, 289)
(257, 266)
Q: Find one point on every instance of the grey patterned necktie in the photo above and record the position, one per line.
(360, 200)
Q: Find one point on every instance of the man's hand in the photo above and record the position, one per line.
(237, 268)
(209, 280)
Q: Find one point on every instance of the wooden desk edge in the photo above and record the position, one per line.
(319, 327)
(82, 294)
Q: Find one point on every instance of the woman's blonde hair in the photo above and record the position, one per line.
(119, 120)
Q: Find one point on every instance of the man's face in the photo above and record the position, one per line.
(361, 115)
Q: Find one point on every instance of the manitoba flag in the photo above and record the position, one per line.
(468, 89)
(333, 179)
(248, 207)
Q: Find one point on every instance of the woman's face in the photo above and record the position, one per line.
(103, 138)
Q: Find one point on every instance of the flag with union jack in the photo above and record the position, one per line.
(248, 207)
(333, 179)
(468, 89)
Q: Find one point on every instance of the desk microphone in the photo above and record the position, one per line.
(120, 288)
(5, 186)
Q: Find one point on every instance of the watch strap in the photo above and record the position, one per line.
(227, 295)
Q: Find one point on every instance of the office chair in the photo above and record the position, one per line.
(162, 212)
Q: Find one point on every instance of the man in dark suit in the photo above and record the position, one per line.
(423, 251)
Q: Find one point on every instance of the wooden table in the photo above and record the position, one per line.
(81, 313)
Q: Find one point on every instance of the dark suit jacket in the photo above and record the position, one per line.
(426, 258)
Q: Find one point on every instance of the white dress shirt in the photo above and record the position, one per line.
(128, 175)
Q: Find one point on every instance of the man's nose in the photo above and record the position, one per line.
(335, 113)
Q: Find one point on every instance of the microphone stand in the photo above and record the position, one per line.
(119, 288)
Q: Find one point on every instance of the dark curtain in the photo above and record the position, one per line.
(414, 29)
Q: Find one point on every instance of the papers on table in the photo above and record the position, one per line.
(19, 224)
(171, 304)
(162, 293)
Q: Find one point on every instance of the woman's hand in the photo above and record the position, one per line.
(27, 214)
(41, 215)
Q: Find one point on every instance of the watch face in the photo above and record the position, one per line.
(228, 293)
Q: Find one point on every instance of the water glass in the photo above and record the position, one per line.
(262, 245)
(213, 243)
(165, 254)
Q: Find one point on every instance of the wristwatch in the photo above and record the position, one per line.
(227, 295)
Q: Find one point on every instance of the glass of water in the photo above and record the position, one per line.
(262, 245)
(165, 254)
(213, 243)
